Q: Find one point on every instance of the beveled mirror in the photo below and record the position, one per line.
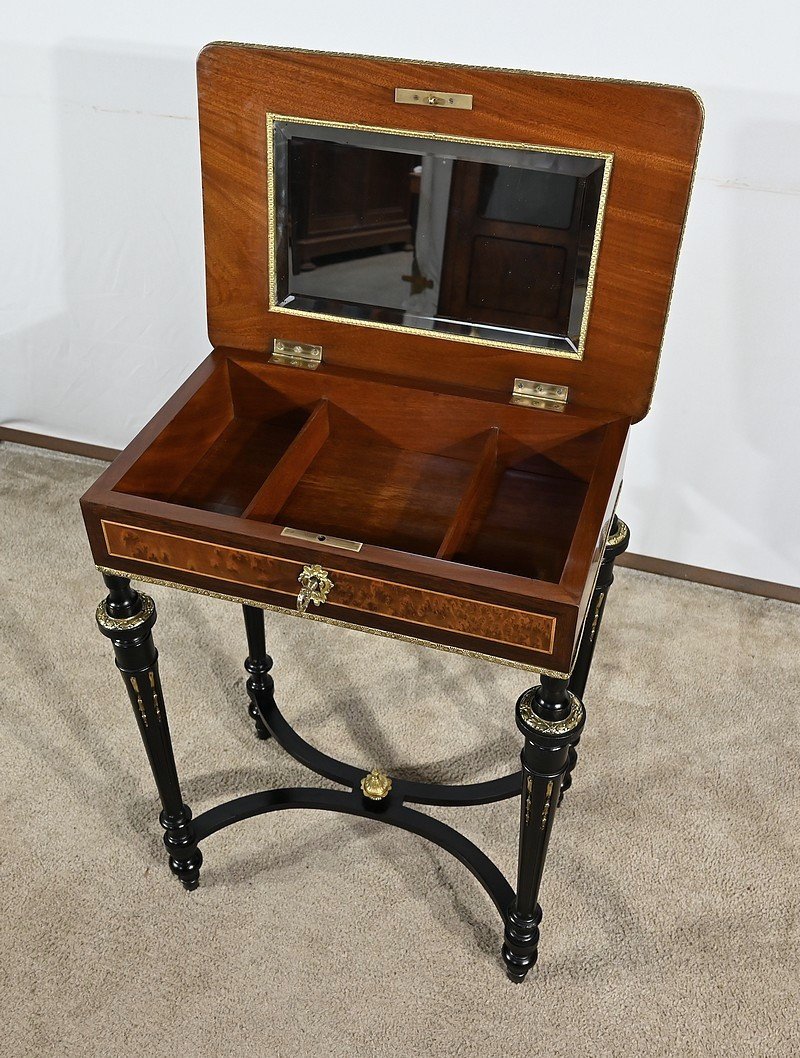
(464, 239)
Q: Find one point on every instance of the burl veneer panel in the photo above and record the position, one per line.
(171, 552)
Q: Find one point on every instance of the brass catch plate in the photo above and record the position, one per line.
(296, 354)
(424, 97)
(322, 538)
(547, 395)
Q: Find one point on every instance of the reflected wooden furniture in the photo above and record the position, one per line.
(492, 257)
(374, 187)
(400, 487)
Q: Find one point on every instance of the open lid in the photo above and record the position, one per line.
(457, 226)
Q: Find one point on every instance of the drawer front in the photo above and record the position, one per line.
(169, 552)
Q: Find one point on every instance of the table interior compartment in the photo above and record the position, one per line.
(216, 452)
(344, 479)
(234, 467)
(472, 482)
(521, 509)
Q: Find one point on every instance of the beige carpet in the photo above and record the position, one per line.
(671, 892)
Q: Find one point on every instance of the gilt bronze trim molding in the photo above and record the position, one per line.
(333, 621)
(551, 727)
(606, 156)
(117, 624)
(621, 533)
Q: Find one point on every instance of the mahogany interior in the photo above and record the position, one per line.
(456, 478)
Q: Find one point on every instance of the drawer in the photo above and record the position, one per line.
(363, 600)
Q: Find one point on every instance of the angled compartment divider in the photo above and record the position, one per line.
(292, 465)
(479, 487)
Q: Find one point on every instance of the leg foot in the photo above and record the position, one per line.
(185, 859)
(521, 944)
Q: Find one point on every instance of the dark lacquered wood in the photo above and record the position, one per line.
(617, 544)
(324, 800)
(128, 623)
(127, 618)
(258, 664)
(544, 764)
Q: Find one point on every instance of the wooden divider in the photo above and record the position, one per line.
(294, 462)
(480, 483)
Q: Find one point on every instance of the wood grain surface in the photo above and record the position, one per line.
(251, 570)
(652, 131)
(482, 523)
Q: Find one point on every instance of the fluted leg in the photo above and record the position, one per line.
(618, 540)
(551, 719)
(258, 664)
(126, 617)
(572, 762)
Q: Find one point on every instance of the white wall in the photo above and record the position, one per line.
(101, 298)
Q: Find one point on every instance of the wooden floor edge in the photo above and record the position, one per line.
(662, 566)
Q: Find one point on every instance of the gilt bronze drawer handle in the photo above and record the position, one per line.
(315, 586)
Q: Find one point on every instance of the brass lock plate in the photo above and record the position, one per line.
(424, 97)
(322, 538)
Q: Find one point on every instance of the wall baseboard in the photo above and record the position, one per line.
(662, 566)
(713, 577)
(57, 444)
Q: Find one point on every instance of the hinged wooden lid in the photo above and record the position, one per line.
(652, 131)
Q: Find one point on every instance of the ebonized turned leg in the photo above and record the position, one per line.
(551, 718)
(258, 663)
(572, 763)
(618, 540)
(126, 617)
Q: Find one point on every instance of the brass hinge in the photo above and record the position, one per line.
(296, 354)
(546, 395)
(422, 97)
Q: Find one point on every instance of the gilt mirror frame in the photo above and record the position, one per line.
(607, 158)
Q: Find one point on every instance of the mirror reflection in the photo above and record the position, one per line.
(469, 239)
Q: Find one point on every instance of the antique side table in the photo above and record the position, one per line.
(436, 297)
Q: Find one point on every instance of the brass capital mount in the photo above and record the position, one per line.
(542, 726)
(118, 624)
